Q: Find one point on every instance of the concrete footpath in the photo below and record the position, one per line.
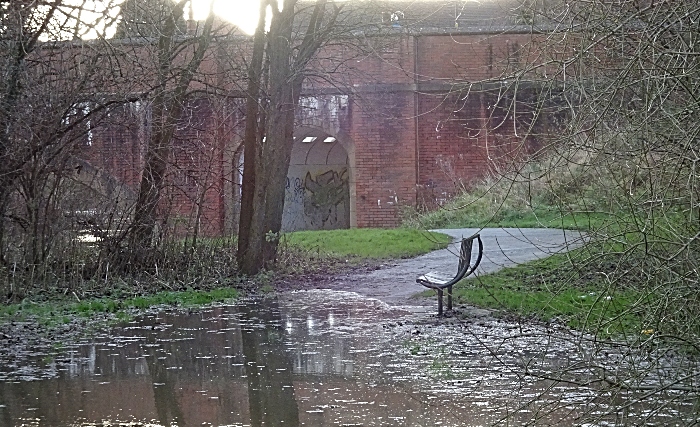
(395, 283)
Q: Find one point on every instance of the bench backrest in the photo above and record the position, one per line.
(465, 255)
(465, 252)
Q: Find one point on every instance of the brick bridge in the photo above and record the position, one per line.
(402, 130)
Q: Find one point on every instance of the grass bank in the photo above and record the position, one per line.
(542, 194)
(214, 277)
(453, 216)
(552, 289)
(473, 210)
(53, 313)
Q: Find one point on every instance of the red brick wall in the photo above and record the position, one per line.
(194, 188)
(198, 172)
(117, 145)
(470, 57)
(451, 148)
(194, 195)
(462, 139)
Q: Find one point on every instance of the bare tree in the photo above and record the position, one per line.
(50, 102)
(22, 28)
(623, 80)
(58, 99)
(630, 79)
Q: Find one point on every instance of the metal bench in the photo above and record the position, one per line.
(439, 281)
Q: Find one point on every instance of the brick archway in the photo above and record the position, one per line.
(318, 190)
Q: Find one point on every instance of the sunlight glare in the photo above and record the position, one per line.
(242, 13)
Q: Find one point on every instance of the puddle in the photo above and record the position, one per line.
(325, 358)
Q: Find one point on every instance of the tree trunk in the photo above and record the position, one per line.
(145, 215)
(272, 161)
(251, 142)
(264, 204)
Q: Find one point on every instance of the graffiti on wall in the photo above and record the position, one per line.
(324, 195)
(294, 190)
(316, 200)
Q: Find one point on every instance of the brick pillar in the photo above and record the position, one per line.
(384, 135)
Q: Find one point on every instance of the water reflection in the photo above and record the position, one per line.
(268, 368)
(253, 364)
(316, 358)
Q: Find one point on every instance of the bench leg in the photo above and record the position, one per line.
(449, 298)
(439, 292)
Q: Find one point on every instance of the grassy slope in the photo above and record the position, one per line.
(453, 217)
(552, 289)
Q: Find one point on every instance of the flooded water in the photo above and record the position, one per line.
(324, 358)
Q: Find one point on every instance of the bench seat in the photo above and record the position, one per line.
(433, 279)
(439, 281)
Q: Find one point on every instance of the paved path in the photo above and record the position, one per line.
(396, 284)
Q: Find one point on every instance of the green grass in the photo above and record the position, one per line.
(190, 298)
(472, 217)
(549, 219)
(54, 313)
(548, 289)
(369, 242)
